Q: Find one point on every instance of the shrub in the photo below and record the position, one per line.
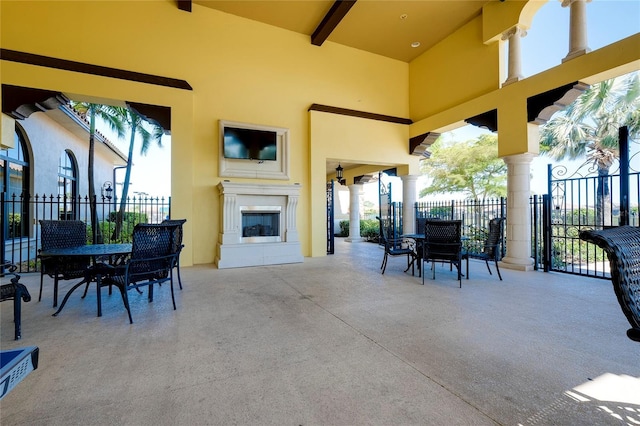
(369, 229)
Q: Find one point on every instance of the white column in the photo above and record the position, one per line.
(409, 197)
(515, 62)
(518, 229)
(577, 28)
(355, 192)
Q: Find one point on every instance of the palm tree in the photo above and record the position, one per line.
(588, 128)
(135, 122)
(91, 111)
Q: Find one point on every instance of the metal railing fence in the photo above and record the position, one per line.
(20, 216)
(474, 214)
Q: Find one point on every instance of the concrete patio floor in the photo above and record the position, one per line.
(331, 341)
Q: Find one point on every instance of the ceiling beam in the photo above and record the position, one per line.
(185, 5)
(331, 20)
(63, 64)
(360, 114)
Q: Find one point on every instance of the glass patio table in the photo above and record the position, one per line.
(94, 272)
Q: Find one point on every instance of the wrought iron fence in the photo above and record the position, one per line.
(474, 214)
(20, 216)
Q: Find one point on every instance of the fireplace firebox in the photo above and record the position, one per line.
(260, 224)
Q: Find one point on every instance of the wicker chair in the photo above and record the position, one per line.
(13, 291)
(55, 234)
(393, 246)
(151, 262)
(442, 242)
(490, 250)
(176, 243)
(622, 245)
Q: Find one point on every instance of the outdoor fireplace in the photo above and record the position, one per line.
(258, 225)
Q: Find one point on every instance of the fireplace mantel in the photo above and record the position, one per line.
(233, 250)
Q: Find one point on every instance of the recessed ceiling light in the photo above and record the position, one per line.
(415, 44)
(404, 16)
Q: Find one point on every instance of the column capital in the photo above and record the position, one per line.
(525, 158)
(566, 3)
(515, 30)
(409, 178)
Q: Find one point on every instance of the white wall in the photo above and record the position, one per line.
(48, 141)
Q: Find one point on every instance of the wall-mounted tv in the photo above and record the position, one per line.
(250, 144)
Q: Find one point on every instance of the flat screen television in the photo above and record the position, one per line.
(250, 144)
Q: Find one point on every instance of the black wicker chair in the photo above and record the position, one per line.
(490, 250)
(176, 243)
(55, 234)
(13, 291)
(442, 242)
(394, 246)
(622, 245)
(151, 262)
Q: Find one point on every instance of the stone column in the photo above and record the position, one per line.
(577, 28)
(514, 35)
(355, 192)
(409, 197)
(518, 229)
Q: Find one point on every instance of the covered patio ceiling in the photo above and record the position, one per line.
(401, 30)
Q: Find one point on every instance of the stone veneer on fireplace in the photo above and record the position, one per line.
(236, 250)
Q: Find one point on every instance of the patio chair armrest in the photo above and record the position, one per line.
(622, 246)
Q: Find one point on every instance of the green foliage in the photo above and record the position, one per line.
(344, 228)
(472, 168)
(588, 127)
(369, 229)
(441, 212)
(129, 217)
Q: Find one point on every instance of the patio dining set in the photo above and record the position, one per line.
(149, 259)
(442, 241)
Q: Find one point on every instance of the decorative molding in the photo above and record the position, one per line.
(278, 169)
(419, 145)
(81, 67)
(359, 114)
(541, 107)
(515, 30)
(159, 115)
(20, 102)
(486, 120)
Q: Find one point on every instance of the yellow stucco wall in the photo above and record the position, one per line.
(456, 70)
(239, 69)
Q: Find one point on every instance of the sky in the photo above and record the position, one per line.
(544, 46)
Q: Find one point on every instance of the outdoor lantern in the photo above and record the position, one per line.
(339, 170)
(107, 190)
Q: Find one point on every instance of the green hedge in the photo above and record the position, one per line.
(369, 229)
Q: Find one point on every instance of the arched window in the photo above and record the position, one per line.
(14, 182)
(67, 185)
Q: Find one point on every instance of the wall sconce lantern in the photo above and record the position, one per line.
(107, 190)
(339, 170)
